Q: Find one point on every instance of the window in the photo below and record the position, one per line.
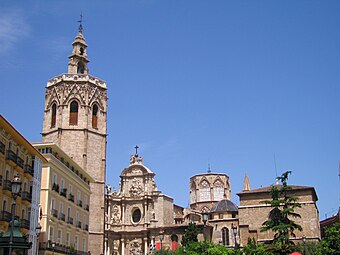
(54, 115)
(204, 191)
(225, 236)
(4, 205)
(84, 245)
(54, 179)
(218, 190)
(94, 116)
(136, 215)
(81, 68)
(74, 113)
(59, 239)
(67, 239)
(76, 242)
(51, 233)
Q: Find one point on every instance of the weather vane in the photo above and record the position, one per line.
(81, 23)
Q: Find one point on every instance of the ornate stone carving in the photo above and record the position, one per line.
(135, 159)
(135, 248)
(115, 215)
(136, 187)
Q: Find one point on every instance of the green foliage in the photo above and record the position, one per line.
(252, 248)
(190, 234)
(330, 245)
(280, 217)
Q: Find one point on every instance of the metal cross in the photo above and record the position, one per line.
(136, 147)
(81, 23)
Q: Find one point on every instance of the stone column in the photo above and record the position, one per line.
(145, 245)
(123, 246)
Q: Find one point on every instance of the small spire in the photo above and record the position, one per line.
(209, 169)
(81, 23)
(246, 184)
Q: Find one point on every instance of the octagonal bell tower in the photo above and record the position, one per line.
(75, 119)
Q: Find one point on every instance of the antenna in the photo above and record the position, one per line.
(275, 166)
(209, 170)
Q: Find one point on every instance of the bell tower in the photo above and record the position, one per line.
(75, 119)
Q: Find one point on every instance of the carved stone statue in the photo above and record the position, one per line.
(136, 187)
(135, 248)
(115, 215)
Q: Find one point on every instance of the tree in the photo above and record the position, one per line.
(190, 234)
(280, 217)
(330, 245)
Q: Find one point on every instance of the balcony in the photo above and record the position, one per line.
(78, 224)
(71, 197)
(80, 203)
(25, 224)
(26, 196)
(2, 148)
(63, 192)
(11, 158)
(54, 212)
(5, 216)
(70, 220)
(55, 187)
(28, 170)
(7, 185)
(61, 216)
(20, 162)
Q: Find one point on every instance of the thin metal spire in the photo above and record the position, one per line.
(81, 23)
(136, 147)
(209, 170)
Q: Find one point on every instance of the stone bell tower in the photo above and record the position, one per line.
(75, 119)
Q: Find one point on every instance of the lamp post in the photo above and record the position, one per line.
(304, 245)
(205, 219)
(53, 245)
(15, 188)
(234, 229)
(38, 230)
(161, 237)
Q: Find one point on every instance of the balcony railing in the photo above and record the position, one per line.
(86, 227)
(54, 212)
(2, 148)
(26, 196)
(59, 248)
(55, 187)
(5, 216)
(71, 197)
(78, 224)
(63, 192)
(11, 156)
(61, 216)
(28, 170)
(70, 220)
(25, 224)
(20, 162)
(7, 185)
(80, 203)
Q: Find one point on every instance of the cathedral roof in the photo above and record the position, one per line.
(223, 206)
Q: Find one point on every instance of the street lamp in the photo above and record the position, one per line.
(38, 230)
(161, 237)
(53, 245)
(15, 188)
(205, 219)
(304, 245)
(234, 229)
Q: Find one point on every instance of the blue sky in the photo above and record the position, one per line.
(193, 83)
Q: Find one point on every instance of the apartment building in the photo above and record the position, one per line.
(64, 199)
(19, 158)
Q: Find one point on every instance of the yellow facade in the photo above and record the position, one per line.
(64, 198)
(16, 159)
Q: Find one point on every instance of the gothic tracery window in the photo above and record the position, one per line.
(54, 115)
(218, 190)
(74, 113)
(95, 116)
(80, 68)
(204, 191)
(193, 193)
